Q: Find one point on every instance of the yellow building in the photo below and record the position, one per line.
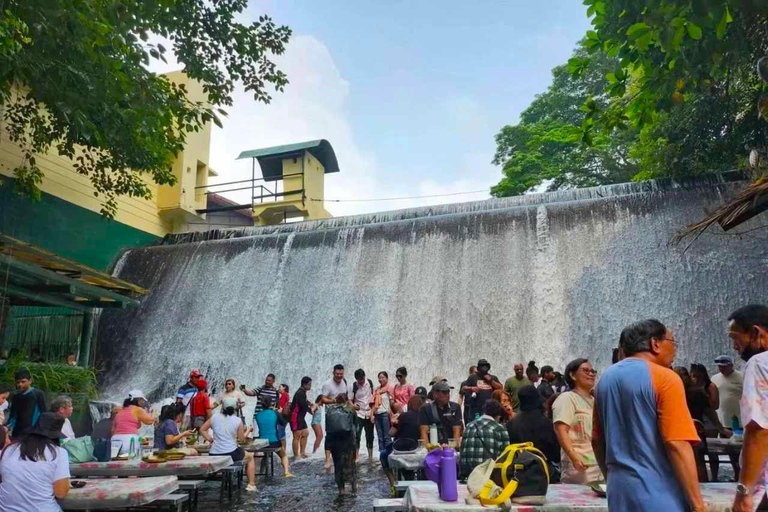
(67, 220)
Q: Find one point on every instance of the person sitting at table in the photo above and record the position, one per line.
(62, 405)
(531, 425)
(484, 438)
(127, 422)
(35, 469)
(407, 425)
(269, 422)
(228, 430)
(167, 436)
(443, 413)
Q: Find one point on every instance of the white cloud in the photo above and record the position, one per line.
(313, 107)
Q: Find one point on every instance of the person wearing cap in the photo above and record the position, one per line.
(514, 383)
(443, 413)
(127, 422)
(730, 384)
(186, 392)
(35, 469)
(479, 389)
(228, 430)
(200, 406)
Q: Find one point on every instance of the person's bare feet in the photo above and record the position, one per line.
(288, 475)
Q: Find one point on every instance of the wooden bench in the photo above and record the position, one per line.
(268, 470)
(173, 502)
(192, 487)
(228, 477)
(389, 505)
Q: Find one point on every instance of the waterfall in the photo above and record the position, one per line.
(547, 277)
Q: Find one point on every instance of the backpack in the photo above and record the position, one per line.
(520, 474)
(338, 420)
(355, 387)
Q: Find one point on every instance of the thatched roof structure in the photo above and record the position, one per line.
(749, 202)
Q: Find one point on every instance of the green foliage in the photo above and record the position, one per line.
(53, 378)
(669, 50)
(546, 146)
(73, 77)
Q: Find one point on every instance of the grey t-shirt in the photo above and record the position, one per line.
(332, 390)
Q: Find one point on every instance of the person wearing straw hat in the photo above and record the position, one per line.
(35, 469)
(127, 422)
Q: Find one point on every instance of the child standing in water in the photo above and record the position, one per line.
(317, 427)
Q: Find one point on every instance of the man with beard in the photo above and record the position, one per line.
(479, 389)
(748, 331)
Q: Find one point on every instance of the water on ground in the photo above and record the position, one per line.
(312, 489)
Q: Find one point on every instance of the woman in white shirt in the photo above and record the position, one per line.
(35, 469)
(228, 430)
(231, 391)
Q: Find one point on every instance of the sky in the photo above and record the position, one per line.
(409, 93)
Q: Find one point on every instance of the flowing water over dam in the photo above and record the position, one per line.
(547, 277)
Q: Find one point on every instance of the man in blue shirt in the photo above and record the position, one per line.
(642, 430)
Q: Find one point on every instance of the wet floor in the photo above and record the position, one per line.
(312, 489)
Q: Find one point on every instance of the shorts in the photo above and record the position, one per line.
(236, 455)
(276, 444)
(197, 421)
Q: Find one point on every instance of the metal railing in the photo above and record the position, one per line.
(260, 193)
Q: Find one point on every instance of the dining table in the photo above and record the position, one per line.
(200, 466)
(118, 493)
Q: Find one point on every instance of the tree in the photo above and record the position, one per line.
(546, 145)
(73, 77)
(670, 50)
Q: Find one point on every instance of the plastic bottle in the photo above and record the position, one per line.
(433, 434)
(449, 484)
(735, 423)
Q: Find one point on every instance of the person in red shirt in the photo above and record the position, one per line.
(200, 406)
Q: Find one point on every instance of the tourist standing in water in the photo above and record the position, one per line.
(403, 390)
(362, 400)
(284, 399)
(317, 425)
(231, 391)
(480, 388)
(340, 422)
(27, 404)
(572, 415)
(748, 331)
(299, 411)
(268, 390)
(200, 406)
(332, 388)
(463, 396)
(382, 417)
(187, 392)
(545, 384)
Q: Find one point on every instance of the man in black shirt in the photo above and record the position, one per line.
(479, 389)
(443, 413)
(545, 387)
(464, 397)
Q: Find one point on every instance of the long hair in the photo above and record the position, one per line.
(32, 447)
(129, 401)
(170, 411)
(573, 367)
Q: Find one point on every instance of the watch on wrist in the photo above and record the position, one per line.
(743, 490)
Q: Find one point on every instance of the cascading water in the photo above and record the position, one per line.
(547, 277)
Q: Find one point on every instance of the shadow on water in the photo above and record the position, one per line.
(312, 489)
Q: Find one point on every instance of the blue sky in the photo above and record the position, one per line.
(410, 93)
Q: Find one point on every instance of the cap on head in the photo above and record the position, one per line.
(724, 360)
(484, 362)
(441, 386)
(136, 393)
(195, 374)
(201, 384)
(437, 378)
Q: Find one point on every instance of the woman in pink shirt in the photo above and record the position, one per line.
(403, 391)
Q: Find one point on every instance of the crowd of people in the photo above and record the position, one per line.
(640, 426)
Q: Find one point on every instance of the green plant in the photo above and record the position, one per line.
(53, 378)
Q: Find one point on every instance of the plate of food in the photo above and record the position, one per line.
(154, 459)
(171, 454)
(122, 456)
(599, 487)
